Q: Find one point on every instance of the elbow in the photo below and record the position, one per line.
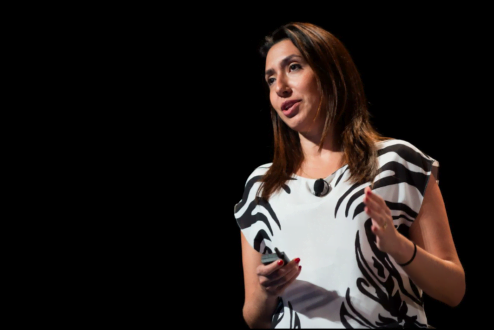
(252, 322)
(461, 295)
(248, 319)
(455, 301)
(458, 294)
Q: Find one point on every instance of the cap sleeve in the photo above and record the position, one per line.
(254, 224)
(435, 170)
(404, 174)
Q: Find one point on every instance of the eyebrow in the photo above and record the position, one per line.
(283, 63)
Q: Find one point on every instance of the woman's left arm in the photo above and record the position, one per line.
(436, 268)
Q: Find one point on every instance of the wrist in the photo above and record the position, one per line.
(405, 250)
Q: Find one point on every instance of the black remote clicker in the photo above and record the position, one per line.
(269, 258)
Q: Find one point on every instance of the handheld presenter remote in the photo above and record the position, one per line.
(269, 258)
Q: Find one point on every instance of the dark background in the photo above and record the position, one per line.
(424, 79)
(200, 124)
(174, 117)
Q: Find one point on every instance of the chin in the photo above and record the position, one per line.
(295, 126)
(299, 126)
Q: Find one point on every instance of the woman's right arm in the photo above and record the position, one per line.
(263, 284)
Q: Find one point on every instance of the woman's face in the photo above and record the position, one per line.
(292, 85)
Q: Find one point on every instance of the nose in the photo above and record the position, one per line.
(282, 87)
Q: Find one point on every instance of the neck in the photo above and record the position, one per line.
(320, 163)
(309, 142)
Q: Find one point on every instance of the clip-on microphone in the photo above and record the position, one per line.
(321, 187)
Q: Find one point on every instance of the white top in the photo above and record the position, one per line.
(346, 281)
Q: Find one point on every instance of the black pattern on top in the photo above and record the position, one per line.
(376, 276)
(383, 291)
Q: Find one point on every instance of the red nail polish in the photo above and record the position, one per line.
(299, 267)
(280, 262)
(297, 260)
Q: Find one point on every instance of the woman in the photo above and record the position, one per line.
(361, 215)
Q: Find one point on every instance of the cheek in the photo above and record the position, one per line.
(307, 86)
(309, 83)
(313, 91)
(272, 98)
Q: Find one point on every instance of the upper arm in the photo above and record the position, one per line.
(251, 259)
(431, 230)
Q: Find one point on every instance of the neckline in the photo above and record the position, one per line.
(326, 178)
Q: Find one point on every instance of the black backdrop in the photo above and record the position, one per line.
(179, 97)
(424, 77)
(423, 80)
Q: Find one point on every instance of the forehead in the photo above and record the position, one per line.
(280, 51)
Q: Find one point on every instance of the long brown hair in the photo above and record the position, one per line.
(343, 102)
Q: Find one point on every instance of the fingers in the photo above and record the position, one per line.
(275, 274)
(378, 221)
(373, 198)
(371, 204)
(290, 280)
(372, 208)
(280, 276)
(377, 209)
(377, 229)
(266, 270)
(278, 286)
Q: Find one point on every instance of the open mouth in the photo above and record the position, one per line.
(287, 105)
(289, 109)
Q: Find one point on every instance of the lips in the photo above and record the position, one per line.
(288, 104)
(290, 108)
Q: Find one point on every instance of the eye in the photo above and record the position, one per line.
(295, 66)
(270, 81)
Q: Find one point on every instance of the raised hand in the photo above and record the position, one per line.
(382, 221)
